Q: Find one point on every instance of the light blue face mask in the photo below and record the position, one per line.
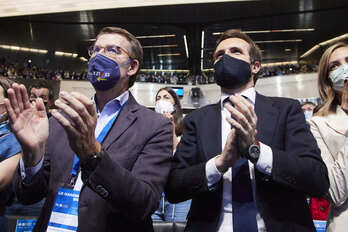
(308, 114)
(338, 76)
(9, 145)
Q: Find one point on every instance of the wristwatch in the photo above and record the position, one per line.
(92, 162)
(253, 152)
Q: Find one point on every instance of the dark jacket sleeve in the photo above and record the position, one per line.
(135, 193)
(187, 178)
(36, 190)
(299, 165)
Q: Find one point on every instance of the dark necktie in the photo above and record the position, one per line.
(243, 205)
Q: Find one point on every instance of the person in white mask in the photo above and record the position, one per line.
(330, 128)
(308, 108)
(168, 104)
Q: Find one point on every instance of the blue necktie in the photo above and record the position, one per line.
(243, 205)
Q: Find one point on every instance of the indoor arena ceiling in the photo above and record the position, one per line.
(177, 36)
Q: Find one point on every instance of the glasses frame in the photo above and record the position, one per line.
(92, 50)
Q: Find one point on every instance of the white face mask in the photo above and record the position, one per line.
(308, 114)
(338, 76)
(164, 106)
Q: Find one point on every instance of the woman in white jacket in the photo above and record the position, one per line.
(330, 128)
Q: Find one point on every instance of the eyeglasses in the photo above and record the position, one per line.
(112, 50)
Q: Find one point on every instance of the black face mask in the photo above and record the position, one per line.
(231, 72)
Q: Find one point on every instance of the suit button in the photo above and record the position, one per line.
(102, 191)
(98, 188)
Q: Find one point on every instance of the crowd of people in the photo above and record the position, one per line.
(28, 70)
(247, 163)
(31, 71)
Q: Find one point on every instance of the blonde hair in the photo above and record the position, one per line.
(327, 94)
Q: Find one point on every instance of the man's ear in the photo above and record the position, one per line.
(133, 68)
(255, 67)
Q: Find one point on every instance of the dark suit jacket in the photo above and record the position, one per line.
(124, 190)
(297, 167)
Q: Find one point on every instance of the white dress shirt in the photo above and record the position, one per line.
(264, 164)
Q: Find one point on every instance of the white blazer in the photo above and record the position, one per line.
(331, 133)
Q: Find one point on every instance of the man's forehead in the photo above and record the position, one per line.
(233, 42)
(112, 39)
(39, 90)
(306, 106)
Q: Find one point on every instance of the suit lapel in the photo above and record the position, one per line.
(267, 116)
(124, 120)
(211, 131)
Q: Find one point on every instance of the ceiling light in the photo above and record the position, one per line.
(142, 37)
(32, 7)
(83, 59)
(272, 31)
(165, 70)
(287, 49)
(202, 49)
(186, 47)
(280, 63)
(169, 54)
(323, 44)
(58, 53)
(162, 46)
(279, 41)
(154, 36)
(17, 48)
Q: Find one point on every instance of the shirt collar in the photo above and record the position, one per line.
(111, 106)
(250, 93)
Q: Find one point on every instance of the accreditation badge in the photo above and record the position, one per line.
(65, 211)
(25, 225)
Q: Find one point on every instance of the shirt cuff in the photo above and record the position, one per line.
(212, 173)
(265, 161)
(28, 173)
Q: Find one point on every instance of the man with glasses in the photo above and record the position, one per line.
(100, 163)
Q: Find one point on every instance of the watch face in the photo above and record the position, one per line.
(254, 151)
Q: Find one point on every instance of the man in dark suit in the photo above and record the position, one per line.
(249, 161)
(122, 149)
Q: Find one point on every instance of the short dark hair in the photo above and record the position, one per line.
(40, 85)
(254, 50)
(5, 83)
(308, 103)
(178, 116)
(136, 51)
